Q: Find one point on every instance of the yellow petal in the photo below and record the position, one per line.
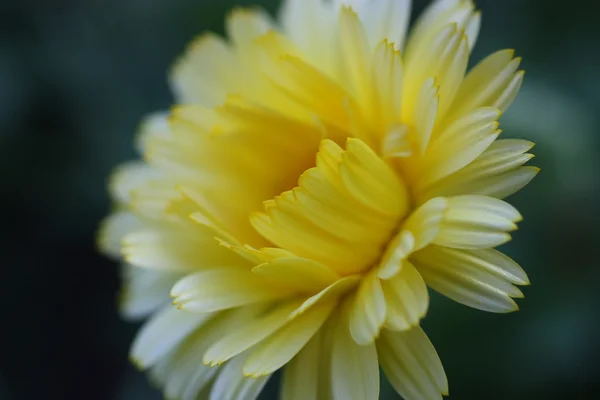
(426, 113)
(129, 177)
(396, 143)
(503, 185)
(397, 251)
(387, 76)
(356, 54)
(371, 181)
(333, 291)
(489, 173)
(144, 291)
(113, 229)
(245, 24)
(319, 43)
(191, 385)
(425, 64)
(283, 345)
(406, 298)
(162, 333)
(437, 15)
(472, 27)
(323, 210)
(425, 222)
(181, 372)
(453, 67)
(177, 250)
(510, 93)
(154, 202)
(300, 274)
(241, 338)
(273, 106)
(458, 145)
(302, 374)
(154, 125)
(318, 93)
(294, 232)
(481, 279)
(206, 73)
(485, 84)
(383, 19)
(255, 256)
(444, 58)
(354, 368)
(500, 157)
(472, 222)
(188, 377)
(231, 384)
(368, 310)
(412, 365)
(223, 288)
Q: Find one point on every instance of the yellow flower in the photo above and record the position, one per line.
(315, 175)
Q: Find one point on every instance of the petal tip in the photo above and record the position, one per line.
(137, 363)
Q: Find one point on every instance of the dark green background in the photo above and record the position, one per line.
(77, 75)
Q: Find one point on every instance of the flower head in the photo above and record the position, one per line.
(314, 177)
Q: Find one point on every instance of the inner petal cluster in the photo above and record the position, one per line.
(343, 211)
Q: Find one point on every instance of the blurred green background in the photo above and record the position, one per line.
(77, 75)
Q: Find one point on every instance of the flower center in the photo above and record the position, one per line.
(342, 213)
